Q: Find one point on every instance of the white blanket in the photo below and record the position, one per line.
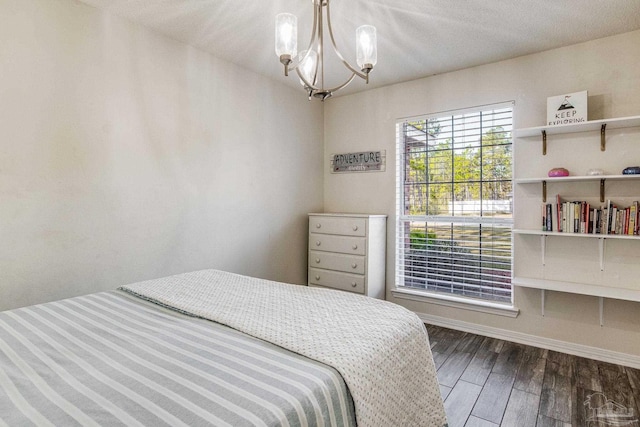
(381, 349)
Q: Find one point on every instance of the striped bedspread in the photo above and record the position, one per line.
(381, 349)
(114, 359)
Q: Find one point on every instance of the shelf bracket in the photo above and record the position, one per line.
(601, 251)
(544, 191)
(544, 142)
(601, 304)
(602, 191)
(543, 247)
(542, 298)
(603, 138)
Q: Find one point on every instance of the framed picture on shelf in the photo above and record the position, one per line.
(567, 109)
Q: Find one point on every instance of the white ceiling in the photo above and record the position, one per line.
(416, 38)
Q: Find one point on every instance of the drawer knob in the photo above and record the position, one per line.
(318, 225)
(318, 243)
(354, 284)
(354, 247)
(355, 228)
(317, 260)
(317, 277)
(354, 265)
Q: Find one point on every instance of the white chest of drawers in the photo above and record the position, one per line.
(347, 252)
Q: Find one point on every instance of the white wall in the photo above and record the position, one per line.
(608, 68)
(126, 156)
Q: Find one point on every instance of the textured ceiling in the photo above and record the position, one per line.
(416, 38)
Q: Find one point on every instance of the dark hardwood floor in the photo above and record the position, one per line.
(487, 382)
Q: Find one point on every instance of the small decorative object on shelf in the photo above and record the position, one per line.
(631, 170)
(555, 172)
(595, 172)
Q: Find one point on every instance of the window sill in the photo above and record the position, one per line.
(456, 302)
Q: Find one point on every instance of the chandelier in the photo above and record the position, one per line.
(310, 62)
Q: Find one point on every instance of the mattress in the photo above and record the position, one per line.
(114, 359)
(215, 348)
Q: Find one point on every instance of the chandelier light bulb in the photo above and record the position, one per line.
(366, 47)
(308, 66)
(286, 35)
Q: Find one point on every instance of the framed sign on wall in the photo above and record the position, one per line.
(364, 161)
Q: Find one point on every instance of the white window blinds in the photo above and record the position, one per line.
(454, 203)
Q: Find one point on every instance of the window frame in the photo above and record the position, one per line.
(438, 297)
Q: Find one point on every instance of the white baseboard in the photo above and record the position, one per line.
(589, 352)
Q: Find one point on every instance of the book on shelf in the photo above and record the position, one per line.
(559, 221)
(547, 217)
(633, 218)
(613, 223)
(591, 220)
(627, 220)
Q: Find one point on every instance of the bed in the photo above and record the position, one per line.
(216, 348)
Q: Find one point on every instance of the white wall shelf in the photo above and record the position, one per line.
(576, 178)
(601, 241)
(586, 235)
(578, 288)
(590, 126)
(584, 178)
(542, 276)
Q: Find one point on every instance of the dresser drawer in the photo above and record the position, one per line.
(347, 226)
(342, 244)
(336, 280)
(339, 262)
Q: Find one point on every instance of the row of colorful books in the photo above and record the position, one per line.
(582, 217)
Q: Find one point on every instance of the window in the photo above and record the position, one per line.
(454, 203)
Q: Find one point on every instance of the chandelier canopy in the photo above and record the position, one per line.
(310, 62)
